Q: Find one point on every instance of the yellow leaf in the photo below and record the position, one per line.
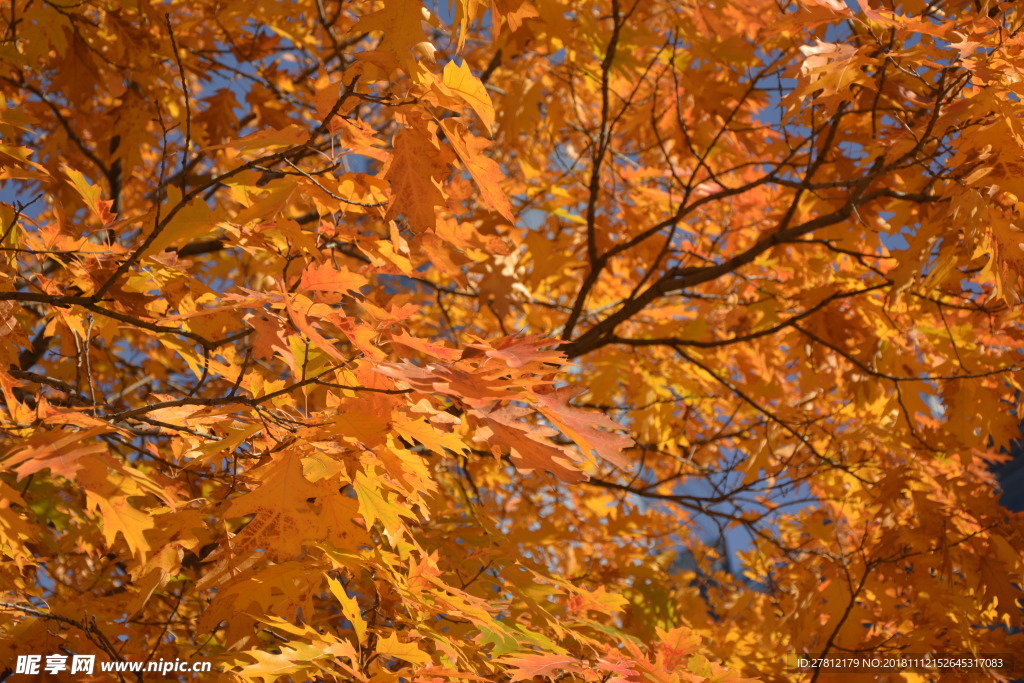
(410, 652)
(376, 506)
(469, 88)
(119, 516)
(349, 607)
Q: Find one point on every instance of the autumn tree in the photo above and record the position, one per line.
(614, 340)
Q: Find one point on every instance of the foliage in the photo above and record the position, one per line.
(381, 341)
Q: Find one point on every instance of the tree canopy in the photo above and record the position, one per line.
(606, 340)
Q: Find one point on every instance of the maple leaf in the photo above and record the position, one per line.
(435, 350)
(325, 278)
(530, 445)
(834, 5)
(301, 320)
(829, 70)
(378, 505)
(515, 12)
(391, 646)
(91, 194)
(289, 512)
(485, 172)
(110, 494)
(415, 173)
(522, 352)
(61, 455)
(270, 334)
(467, 86)
(522, 667)
(350, 608)
(472, 388)
(590, 430)
(428, 435)
(401, 23)
(375, 273)
(676, 645)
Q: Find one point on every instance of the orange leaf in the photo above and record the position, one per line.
(327, 278)
(590, 430)
(522, 667)
(485, 171)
